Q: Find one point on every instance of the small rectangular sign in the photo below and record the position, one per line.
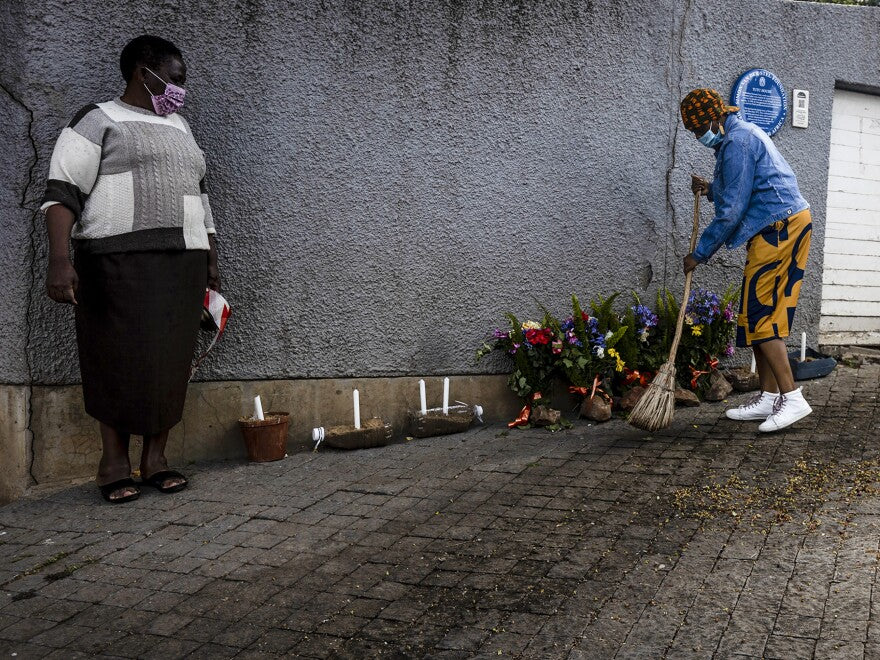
(800, 116)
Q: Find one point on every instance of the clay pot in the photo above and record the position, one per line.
(265, 439)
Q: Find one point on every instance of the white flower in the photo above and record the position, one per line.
(600, 352)
(609, 334)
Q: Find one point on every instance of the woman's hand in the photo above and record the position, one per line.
(62, 280)
(690, 263)
(213, 269)
(699, 185)
(214, 277)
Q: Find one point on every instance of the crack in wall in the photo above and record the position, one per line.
(670, 206)
(25, 204)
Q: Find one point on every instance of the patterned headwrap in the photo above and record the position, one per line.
(701, 106)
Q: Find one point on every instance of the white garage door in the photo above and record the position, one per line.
(851, 278)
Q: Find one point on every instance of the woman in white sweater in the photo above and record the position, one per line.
(127, 186)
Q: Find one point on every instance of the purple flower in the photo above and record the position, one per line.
(703, 306)
(501, 334)
(729, 350)
(644, 316)
(728, 312)
(596, 337)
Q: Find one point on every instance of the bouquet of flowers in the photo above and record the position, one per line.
(615, 351)
(709, 324)
(534, 347)
(584, 349)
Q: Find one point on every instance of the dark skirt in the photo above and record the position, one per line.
(137, 323)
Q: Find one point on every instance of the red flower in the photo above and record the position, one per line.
(585, 316)
(539, 337)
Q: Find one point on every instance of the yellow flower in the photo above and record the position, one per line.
(531, 325)
(620, 363)
(696, 330)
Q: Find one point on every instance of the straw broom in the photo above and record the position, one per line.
(656, 408)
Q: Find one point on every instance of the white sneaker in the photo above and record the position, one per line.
(787, 409)
(759, 406)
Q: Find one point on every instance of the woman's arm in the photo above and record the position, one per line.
(61, 277)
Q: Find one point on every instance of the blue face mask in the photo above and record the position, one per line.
(711, 139)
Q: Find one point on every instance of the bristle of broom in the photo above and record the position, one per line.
(656, 408)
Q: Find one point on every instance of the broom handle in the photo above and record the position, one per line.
(687, 283)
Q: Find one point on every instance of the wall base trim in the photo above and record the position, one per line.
(65, 444)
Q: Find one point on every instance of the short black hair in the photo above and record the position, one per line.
(146, 50)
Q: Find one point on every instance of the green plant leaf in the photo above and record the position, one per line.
(613, 339)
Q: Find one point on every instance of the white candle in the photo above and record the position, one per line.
(803, 346)
(258, 408)
(423, 400)
(357, 409)
(753, 362)
(445, 396)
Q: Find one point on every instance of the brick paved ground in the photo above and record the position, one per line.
(598, 542)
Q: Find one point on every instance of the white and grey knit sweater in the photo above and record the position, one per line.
(134, 180)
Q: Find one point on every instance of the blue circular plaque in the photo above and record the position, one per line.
(761, 99)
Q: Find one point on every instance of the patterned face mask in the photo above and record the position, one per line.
(169, 101)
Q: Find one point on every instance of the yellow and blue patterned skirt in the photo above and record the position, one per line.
(777, 257)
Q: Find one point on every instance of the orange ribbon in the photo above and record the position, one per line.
(696, 373)
(598, 390)
(635, 376)
(591, 392)
(523, 418)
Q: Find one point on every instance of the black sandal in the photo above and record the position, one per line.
(108, 489)
(156, 480)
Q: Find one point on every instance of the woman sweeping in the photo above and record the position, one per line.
(126, 184)
(757, 202)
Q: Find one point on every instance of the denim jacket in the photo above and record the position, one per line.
(753, 187)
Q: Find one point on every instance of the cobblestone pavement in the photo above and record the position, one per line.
(707, 540)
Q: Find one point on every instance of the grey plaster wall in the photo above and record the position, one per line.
(17, 212)
(389, 177)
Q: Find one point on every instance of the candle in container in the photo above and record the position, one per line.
(258, 408)
(357, 408)
(423, 400)
(753, 363)
(803, 347)
(445, 396)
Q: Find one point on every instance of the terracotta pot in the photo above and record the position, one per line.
(266, 439)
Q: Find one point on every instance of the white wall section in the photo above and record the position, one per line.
(851, 276)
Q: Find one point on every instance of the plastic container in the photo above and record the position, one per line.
(373, 433)
(434, 422)
(266, 439)
(815, 366)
